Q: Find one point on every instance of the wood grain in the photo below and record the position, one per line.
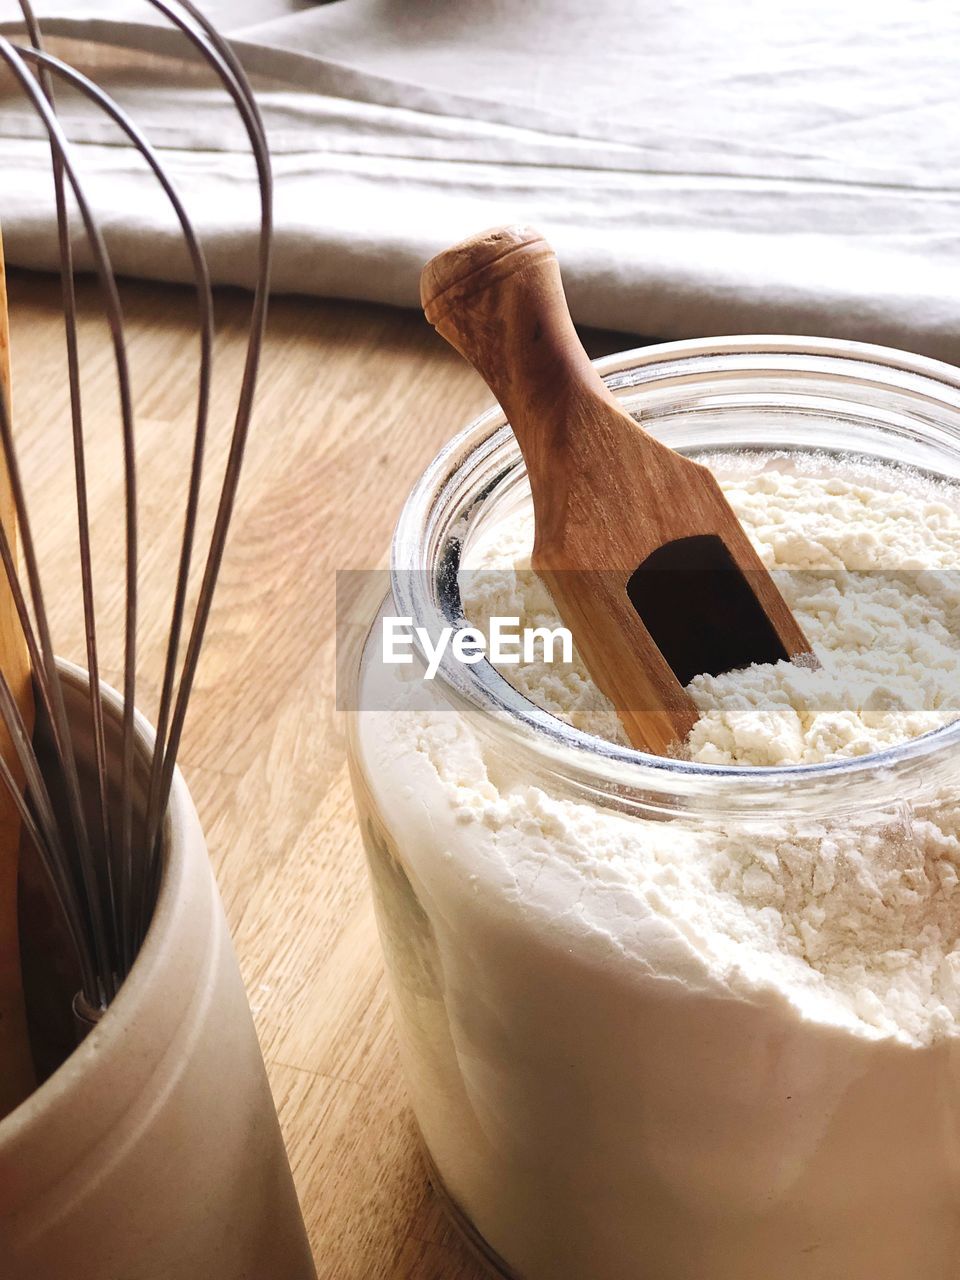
(354, 400)
(16, 1068)
(609, 499)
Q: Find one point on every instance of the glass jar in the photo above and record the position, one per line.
(593, 1106)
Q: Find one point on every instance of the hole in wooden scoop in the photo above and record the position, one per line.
(700, 609)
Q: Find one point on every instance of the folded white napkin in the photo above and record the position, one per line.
(789, 166)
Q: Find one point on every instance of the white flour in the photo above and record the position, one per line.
(885, 627)
(866, 921)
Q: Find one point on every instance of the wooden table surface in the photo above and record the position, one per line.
(354, 400)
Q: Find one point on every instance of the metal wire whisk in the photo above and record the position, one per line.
(106, 880)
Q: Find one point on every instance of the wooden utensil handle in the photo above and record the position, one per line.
(16, 1066)
(499, 300)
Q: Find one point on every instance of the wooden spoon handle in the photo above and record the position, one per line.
(16, 1066)
(498, 299)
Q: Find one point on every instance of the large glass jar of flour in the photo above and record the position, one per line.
(662, 1018)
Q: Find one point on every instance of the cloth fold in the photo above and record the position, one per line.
(701, 169)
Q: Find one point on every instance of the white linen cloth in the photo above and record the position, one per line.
(702, 167)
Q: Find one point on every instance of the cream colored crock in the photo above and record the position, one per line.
(154, 1152)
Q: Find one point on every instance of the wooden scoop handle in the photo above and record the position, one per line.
(16, 1066)
(498, 299)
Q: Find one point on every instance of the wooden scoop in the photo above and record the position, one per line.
(16, 1066)
(642, 553)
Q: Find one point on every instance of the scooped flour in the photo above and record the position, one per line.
(863, 924)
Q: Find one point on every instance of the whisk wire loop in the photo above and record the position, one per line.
(105, 881)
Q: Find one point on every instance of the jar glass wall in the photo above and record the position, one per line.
(593, 1105)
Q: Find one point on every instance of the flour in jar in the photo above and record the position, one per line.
(860, 925)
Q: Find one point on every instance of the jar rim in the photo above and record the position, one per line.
(598, 764)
